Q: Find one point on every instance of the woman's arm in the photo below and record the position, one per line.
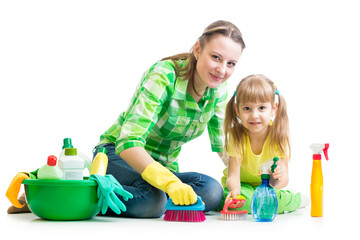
(224, 158)
(137, 158)
(159, 176)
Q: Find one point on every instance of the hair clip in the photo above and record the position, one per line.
(277, 92)
(235, 93)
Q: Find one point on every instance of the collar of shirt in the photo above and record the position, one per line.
(181, 89)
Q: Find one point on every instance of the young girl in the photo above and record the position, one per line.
(257, 129)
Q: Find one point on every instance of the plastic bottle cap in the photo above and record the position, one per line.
(51, 161)
(70, 151)
(67, 143)
(102, 149)
(265, 176)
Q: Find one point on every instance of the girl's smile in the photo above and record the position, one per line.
(256, 117)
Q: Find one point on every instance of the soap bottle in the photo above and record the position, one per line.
(99, 165)
(71, 165)
(264, 203)
(67, 143)
(50, 170)
(316, 186)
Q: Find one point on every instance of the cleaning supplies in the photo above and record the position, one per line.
(14, 189)
(108, 191)
(234, 215)
(264, 203)
(50, 170)
(100, 163)
(15, 185)
(160, 177)
(316, 187)
(67, 143)
(71, 165)
(185, 213)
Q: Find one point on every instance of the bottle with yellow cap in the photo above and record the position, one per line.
(100, 163)
(71, 165)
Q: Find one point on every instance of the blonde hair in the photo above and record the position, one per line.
(224, 28)
(256, 88)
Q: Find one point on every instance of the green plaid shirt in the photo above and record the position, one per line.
(163, 116)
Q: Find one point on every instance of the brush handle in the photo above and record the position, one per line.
(198, 206)
(232, 201)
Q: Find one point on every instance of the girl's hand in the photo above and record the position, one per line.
(233, 195)
(280, 177)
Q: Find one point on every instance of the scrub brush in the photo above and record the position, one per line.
(185, 213)
(234, 215)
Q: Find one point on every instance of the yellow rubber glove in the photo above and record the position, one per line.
(14, 189)
(161, 178)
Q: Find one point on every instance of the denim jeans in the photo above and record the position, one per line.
(148, 201)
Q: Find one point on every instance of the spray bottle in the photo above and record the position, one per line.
(316, 187)
(264, 203)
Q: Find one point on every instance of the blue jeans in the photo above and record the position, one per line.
(148, 201)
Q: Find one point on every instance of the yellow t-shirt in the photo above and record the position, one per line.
(250, 165)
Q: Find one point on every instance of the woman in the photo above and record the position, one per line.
(176, 99)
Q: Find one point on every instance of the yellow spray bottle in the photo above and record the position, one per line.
(100, 163)
(316, 187)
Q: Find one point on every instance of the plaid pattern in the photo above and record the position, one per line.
(163, 116)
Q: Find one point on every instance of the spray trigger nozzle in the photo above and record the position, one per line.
(275, 159)
(318, 148)
(269, 165)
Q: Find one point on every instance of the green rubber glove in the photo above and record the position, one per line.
(108, 187)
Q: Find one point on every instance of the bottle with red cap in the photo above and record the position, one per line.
(316, 186)
(50, 170)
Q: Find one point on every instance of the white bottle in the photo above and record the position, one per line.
(50, 170)
(71, 165)
(67, 143)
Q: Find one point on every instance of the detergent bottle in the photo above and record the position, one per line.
(67, 143)
(316, 186)
(99, 165)
(50, 170)
(71, 165)
(264, 203)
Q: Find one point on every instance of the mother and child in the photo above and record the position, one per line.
(176, 99)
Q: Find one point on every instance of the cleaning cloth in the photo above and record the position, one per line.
(108, 187)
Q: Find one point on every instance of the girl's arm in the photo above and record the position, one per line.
(233, 180)
(280, 177)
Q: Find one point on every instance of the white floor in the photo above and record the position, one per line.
(295, 225)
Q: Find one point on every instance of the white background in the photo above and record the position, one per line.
(69, 68)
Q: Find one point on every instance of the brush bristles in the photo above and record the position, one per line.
(233, 216)
(184, 216)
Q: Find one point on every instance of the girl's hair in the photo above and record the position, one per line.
(224, 28)
(256, 88)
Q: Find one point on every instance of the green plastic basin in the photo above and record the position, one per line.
(62, 199)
